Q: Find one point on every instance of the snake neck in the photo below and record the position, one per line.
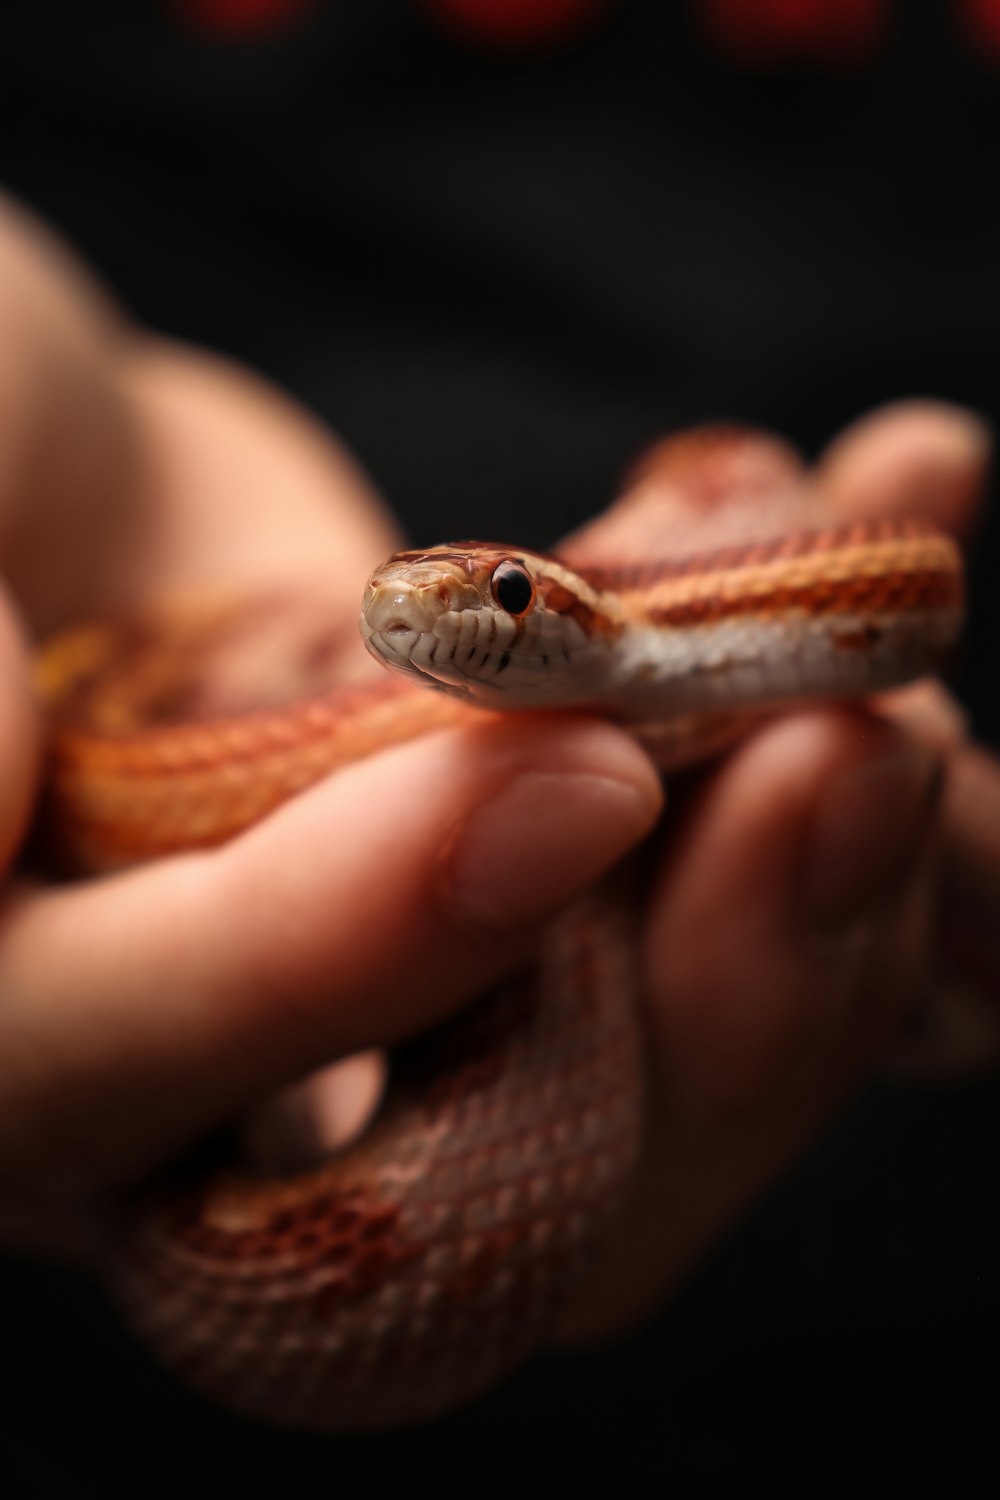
(826, 613)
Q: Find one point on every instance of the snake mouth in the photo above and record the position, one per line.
(389, 648)
(397, 627)
(393, 648)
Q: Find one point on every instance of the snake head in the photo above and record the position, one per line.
(494, 625)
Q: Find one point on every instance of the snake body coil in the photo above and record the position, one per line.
(394, 1279)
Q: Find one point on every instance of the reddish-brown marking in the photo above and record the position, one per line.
(856, 640)
(645, 575)
(563, 601)
(933, 589)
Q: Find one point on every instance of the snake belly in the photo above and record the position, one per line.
(402, 1276)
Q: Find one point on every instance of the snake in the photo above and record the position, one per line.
(393, 1278)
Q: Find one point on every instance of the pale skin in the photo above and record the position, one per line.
(800, 894)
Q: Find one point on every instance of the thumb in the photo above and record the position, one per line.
(371, 906)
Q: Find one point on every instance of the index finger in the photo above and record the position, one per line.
(925, 458)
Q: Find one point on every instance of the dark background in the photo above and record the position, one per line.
(498, 273)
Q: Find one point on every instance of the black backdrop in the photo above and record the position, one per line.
(498, 276)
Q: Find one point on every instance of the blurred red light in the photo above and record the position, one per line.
(234, 18)
(982, 24)
(514, 23)
(764, 31)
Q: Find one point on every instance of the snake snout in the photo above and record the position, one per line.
(397, 611)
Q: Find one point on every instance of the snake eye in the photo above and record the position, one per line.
(513, 587)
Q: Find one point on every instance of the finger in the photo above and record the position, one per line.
(928, 712)
(172, 996)
(20, 738)
(953, 1027)
(792, 919)
(931, 458)
(971, 867)
(914, 458)
(692, 492)
(67, 443)
(241, 486)
(792, 854)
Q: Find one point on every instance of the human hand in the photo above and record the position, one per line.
(143, 1010)
(807, 889)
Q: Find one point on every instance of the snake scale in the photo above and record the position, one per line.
(391, 1280)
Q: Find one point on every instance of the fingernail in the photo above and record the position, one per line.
(866, 834)
(541, 839)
